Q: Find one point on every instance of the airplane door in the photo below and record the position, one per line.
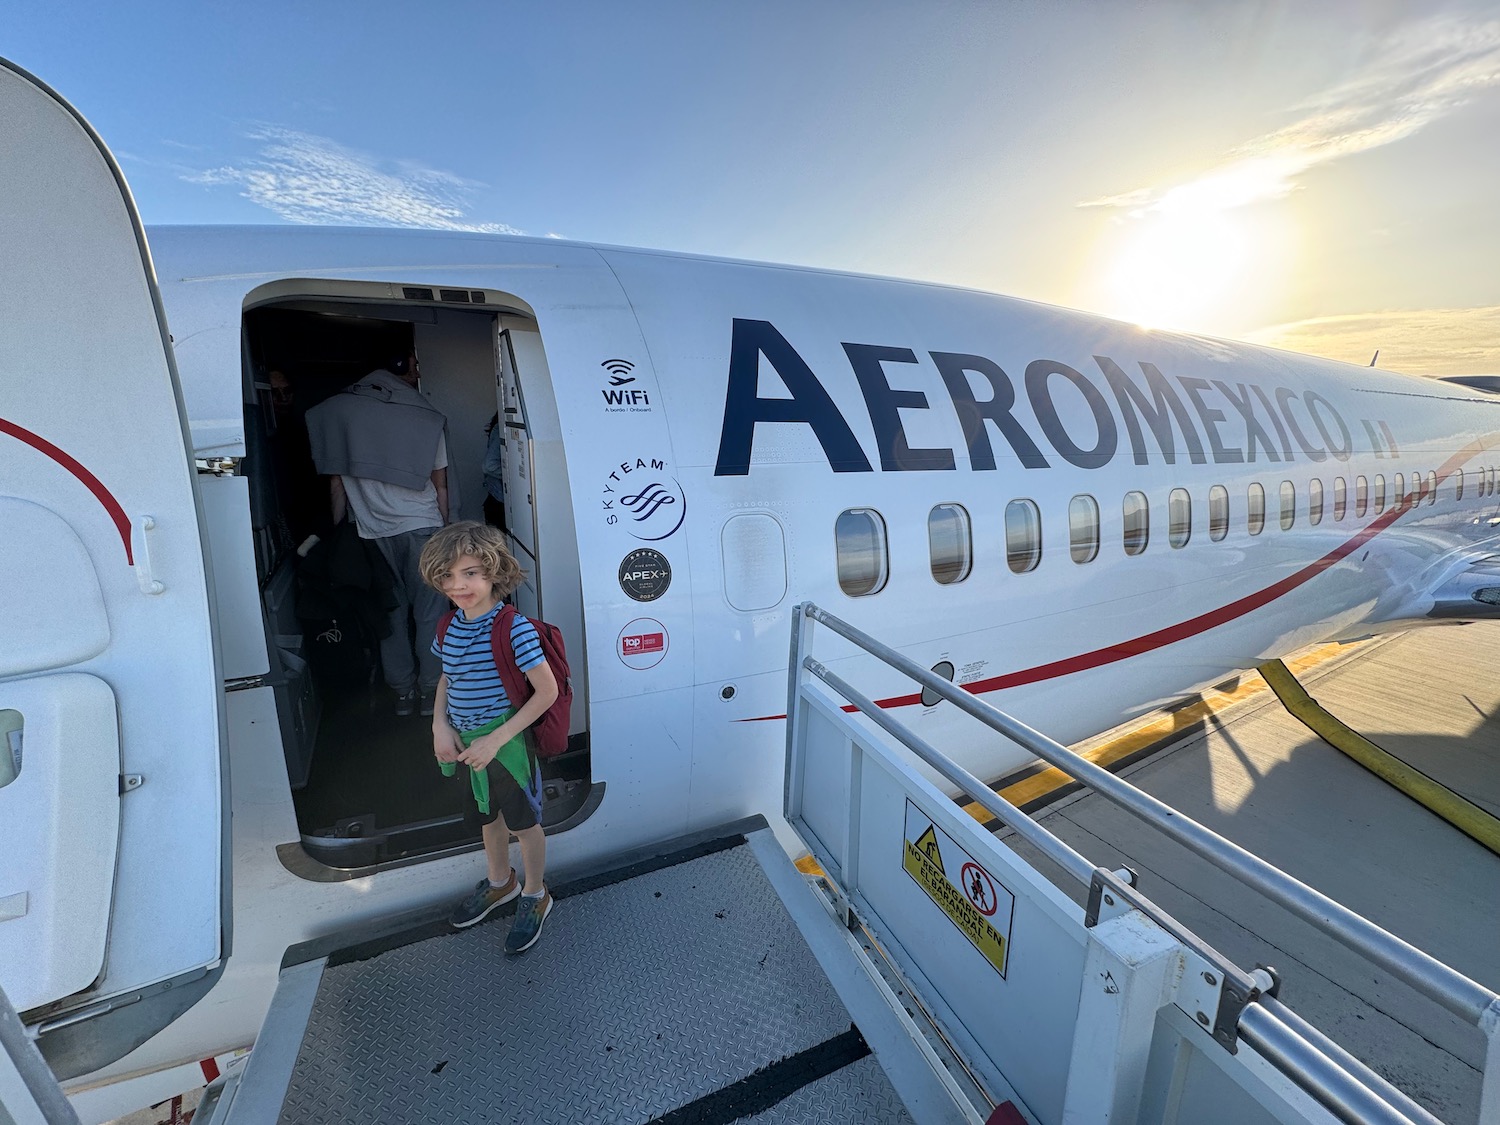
(111, 803)
(518, 475)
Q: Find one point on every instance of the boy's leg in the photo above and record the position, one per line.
(500, 884)
(497, 851)
(535, 902)
(533, 843)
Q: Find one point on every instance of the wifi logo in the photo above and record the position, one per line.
(619, 371)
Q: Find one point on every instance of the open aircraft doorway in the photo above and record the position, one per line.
(366, 790)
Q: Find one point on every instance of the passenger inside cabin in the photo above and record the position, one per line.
(383, 447)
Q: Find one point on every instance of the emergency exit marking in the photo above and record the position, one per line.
(968, 894)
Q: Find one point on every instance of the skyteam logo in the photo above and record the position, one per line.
(645, 499)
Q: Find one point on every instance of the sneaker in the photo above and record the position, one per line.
(406, 703)
(482, 901)
(429, 702)
(530, 914)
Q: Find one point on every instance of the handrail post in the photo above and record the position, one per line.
(1129, 973)
(802, 627)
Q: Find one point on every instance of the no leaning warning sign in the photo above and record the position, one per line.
(972, 898)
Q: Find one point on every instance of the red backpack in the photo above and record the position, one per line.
(550, 731)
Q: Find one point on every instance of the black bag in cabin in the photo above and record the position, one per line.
(345, 592)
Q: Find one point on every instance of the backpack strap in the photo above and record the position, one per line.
(516, 685)
(442, 627)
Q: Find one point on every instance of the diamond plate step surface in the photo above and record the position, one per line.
(640, 997)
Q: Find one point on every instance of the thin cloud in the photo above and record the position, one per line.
(1417, 341)
(310, 179)
(1420, 74)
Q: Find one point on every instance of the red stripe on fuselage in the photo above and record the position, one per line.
(90, 481)
(1193, 625)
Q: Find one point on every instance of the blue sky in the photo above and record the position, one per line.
(1315, 176)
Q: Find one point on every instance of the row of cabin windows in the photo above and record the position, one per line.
(860, 533)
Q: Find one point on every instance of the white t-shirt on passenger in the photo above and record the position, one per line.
(382, 510)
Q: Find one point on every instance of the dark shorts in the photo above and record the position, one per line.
(506, 800)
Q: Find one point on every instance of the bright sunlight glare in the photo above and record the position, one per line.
(1178, 267)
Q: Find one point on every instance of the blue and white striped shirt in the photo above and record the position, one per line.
(475, 694)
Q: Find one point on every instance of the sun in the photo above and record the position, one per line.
(1178, 268)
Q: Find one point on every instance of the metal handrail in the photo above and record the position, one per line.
(1327, 1046)
(1030, 830)
(1053, 847)
(1439, 982)
(1342, 1092)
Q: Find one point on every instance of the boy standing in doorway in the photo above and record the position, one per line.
(476, 723)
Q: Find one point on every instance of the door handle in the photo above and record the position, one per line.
(144, 525)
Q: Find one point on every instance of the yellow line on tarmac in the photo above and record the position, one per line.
(1473, 821)
(1135, 739)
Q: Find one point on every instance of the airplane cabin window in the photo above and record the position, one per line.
(1315, 501)
(1491, 476)
(1340, 498)
(1137, 522)
(1179, 517)
(11, 725)
(1083, 529)
(1255, 508)
(1288, 505)
(1218, 512)
(1431, 486)
(1379, 493)
(950, 544)
(1398, 490)
(1361, 496)
(859, 537)
(1458, 484)
(1023, 536)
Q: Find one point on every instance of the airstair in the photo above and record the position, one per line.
(928, 974)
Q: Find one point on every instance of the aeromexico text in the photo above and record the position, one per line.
(1203, 419)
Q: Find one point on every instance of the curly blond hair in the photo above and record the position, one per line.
(467, 537)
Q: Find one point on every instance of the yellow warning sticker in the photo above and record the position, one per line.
(927, 844)
(973, 899)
